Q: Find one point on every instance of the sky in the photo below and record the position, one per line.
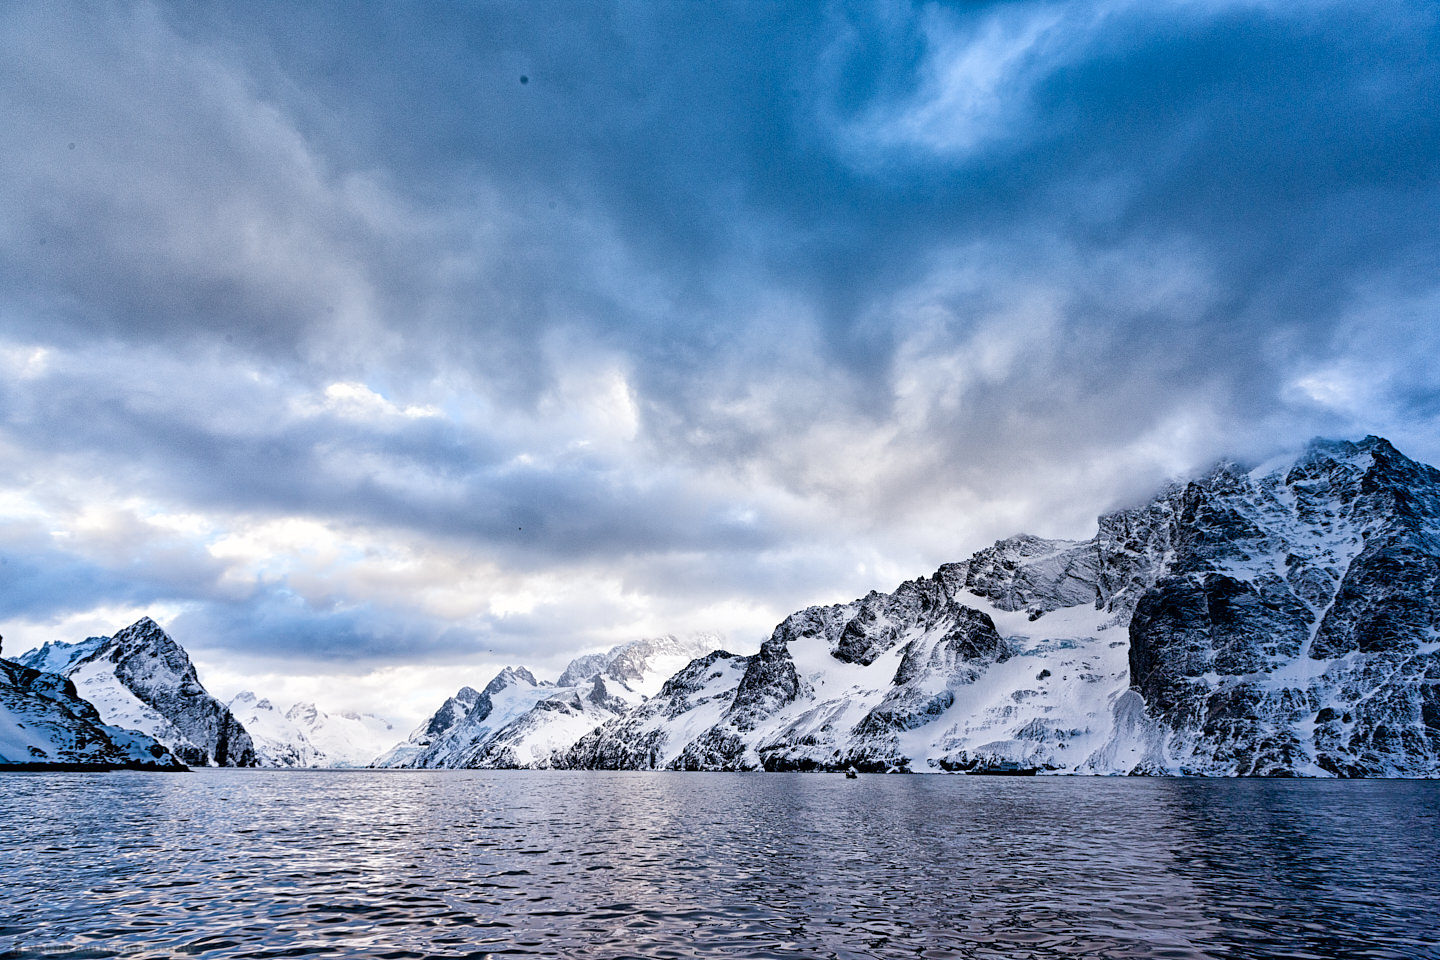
(369, 348)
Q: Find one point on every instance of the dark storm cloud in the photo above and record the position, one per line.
(723, 147)
(50, 583)
(852, 262)
(278, 624)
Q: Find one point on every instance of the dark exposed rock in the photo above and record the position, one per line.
(149, 664)
(450, 712)
(1292, 601)
(770, 681)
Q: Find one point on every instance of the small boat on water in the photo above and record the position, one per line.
(1004, 768)
(851, 773)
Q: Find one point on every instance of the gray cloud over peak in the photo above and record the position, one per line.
(724, 310)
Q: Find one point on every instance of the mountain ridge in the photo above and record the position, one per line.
(519, 721)
(1023, 655)
(45, 725)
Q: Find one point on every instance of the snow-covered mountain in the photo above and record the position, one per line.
(518, 721)
(44, 722)
(1283, 620)
(651, 735)
(141, 680)
(305, 736)
(345, 739)
(1280, 621)
(278, 741)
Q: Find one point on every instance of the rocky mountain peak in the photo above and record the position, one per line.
(633, 663)
(147, 648)
(248, 698)
(143, 634)
(303, 712)
(143, 679)
(509, 677)
(584, 667)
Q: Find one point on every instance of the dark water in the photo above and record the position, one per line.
(271, 864)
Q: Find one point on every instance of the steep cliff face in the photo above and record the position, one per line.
(1294, 630)
(141, 679)
(44, 723)
(1277, 621)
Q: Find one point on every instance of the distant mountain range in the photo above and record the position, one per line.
(306, 736)
(1282, 620)
(518, 721)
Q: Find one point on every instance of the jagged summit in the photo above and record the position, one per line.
(509, 677)
(249, 698)
(518, 720)
(302, 711)
(584, 667)
(144, 627)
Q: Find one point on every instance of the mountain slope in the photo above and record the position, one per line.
(451, 712)
(43, 723)
(1278, 621)
(511, 694)
(278, 741)
(649, 736)
(140, 679)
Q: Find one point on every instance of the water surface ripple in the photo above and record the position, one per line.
(258, 864)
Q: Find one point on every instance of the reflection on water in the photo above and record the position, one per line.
(471, 863)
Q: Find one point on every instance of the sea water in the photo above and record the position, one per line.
(233, 863)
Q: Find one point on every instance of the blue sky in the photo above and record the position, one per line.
(372, 347)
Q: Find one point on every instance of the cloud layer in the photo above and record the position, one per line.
(356, 341)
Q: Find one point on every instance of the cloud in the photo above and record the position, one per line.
(725, 311)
